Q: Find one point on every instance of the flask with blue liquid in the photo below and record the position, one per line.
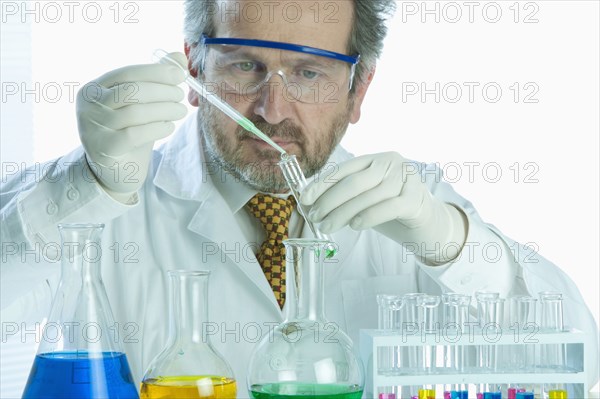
(79, 355)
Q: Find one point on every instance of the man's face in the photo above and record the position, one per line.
(308, 130)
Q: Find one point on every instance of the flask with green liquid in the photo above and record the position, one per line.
(306, 356)
(188, 367)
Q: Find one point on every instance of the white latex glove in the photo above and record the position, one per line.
(385, 192)
(121, 114)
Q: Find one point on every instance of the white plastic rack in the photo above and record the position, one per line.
(574, 373)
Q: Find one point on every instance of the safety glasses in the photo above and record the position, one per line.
(245, 66)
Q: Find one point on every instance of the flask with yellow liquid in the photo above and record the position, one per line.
(188, 367)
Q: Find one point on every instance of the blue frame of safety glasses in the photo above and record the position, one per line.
(351, 59)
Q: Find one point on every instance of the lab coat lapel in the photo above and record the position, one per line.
(184, 174)
(215, 222)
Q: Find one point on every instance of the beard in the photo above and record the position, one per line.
(265, 175)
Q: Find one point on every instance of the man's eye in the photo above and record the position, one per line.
(246, 66)
(308, 74)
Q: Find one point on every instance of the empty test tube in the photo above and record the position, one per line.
(455, 315)
(551, 320)
(481, 296)
(490, 314)
(456, 309)
(389, 318)
(525, 311)
(429, 324)
(297, 182)
(524, 319)
(410, 325)
(428, 313)
(552, 311)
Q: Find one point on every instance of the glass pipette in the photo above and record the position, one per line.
(164, 58)
(297, 182)
(289, 165)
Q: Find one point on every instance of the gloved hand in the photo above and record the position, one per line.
(121, 115)
(384, 191)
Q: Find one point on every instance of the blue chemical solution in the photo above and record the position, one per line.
(80, 375)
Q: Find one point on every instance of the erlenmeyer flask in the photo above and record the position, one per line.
(79, 355)
(305, 356)
(188, 366)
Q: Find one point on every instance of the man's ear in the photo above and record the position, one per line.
(192, 95)
(359, 95)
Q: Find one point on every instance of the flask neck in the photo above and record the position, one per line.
(80, 254)
(304, 279)
(80, 317)
(188, 307)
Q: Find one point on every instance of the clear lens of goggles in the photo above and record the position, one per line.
(303, 77)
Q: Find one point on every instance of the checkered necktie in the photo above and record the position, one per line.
(274, 214)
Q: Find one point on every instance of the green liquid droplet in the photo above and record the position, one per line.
(329, 253)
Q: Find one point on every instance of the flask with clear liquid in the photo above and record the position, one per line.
(188, 367)
(79, 355)
(306, 356)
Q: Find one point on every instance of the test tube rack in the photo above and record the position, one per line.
(574, 374)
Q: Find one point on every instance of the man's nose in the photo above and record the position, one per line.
(274, 104)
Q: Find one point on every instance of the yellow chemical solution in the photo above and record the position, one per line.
(189, 387)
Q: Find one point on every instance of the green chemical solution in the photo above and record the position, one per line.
(295, 390)
(329, 252)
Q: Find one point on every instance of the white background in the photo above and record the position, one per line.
(553, 143)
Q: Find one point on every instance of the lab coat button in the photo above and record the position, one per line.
(52, 208)
(466, 280)
(73, 194)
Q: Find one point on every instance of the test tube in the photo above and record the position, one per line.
(389, 318)
(426, 393)
(455, 315)
(512, 391)
(552, 311)
(551, 320)
(456, 394)
(524, 320)
(558, 394)
(410, 325)
(297, 182)
(555, 391)
(429, 324)
(492, 395)
(525, 395)
(513, 319)
(490, 313)
(481, 296)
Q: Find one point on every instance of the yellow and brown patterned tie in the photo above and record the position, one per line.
(274, 214)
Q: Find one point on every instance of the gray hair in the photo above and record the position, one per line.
(366, 36)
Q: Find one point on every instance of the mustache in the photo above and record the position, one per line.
(285, 130)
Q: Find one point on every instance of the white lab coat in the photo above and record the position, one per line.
(183, 222)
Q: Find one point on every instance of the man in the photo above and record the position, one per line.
(188, 205)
